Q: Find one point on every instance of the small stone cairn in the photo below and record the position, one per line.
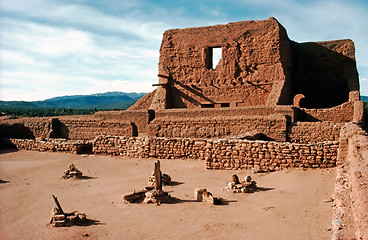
(165, 178)
(202, 195)
(246, 186)
(72, 172)
(59, 218)
(149, 195)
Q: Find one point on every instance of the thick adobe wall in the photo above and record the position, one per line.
(88, 129)
(270, 121)
(273, 127)
(68, 127)
(314, 132)
(353, 170)
(325, 73)
(340, 114)
(26, 128)
(139, 118)
(253, 69)
(248, 111)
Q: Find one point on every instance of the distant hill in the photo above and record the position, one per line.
(109, 100)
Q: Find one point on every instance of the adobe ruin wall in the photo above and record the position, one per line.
(271, 127)
(51, 145)
(68, 127)
(339, 114)
(314, 132)
(351, 181)
(254, 69)
(217, 153)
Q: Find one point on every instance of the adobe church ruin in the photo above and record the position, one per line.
(259, 66)
(270, 103)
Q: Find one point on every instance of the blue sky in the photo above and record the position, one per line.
(53, 48)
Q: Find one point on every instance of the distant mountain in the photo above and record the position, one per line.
(364, 98)
(109, 100)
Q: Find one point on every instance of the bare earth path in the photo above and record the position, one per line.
(291, 206)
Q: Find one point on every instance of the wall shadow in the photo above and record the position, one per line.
(322, 75)
(16, 130)
(58, 129)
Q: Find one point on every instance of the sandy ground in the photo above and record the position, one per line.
(290, 205)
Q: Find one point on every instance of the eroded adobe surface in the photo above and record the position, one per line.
(259, 65)
(253, 69)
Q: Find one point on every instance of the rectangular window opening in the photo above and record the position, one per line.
(212, 57)
(216, 56)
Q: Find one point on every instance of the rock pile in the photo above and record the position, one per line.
(202, 195)
(165, 178)
(157, 197)
(72, 172)
(245, 186)
(59, 218)
(151, 195)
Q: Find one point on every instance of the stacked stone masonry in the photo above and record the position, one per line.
(218, 154)
(224, 153)
(314, 132)
(50, 145)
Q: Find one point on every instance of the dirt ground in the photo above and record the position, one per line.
(291, 204)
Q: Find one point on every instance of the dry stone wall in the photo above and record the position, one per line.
(135, 147)
(224, 153)
(269, 156)
(50, 145)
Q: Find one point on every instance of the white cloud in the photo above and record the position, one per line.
(86, 17)
(68, 48)
(121, 85)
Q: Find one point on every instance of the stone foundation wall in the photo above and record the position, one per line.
(274, 127)
(269, 156)
(50, 145)
(218, 154)
(134, 147)
(224, 153)
(313, 132)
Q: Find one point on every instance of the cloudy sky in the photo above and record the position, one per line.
(53, 48)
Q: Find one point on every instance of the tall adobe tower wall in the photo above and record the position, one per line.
(255, 67)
